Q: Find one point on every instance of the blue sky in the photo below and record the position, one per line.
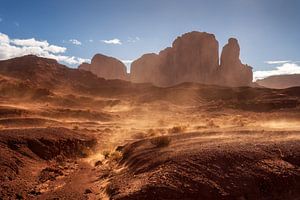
(267, 30)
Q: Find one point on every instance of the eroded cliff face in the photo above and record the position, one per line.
(145, 69)
(232, 72)
(106, 67)
(193, 57)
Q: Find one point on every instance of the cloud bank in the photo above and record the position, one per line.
(112, 41)
(271, 62)
(284, 67)
(11, 48)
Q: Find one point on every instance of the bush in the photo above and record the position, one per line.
(161, 141)
(177, 129)
(106, 154)
(116, 156)
(211, 124)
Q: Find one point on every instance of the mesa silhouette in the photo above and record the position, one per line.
(193, 57)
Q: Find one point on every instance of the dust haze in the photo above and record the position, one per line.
(76, 134)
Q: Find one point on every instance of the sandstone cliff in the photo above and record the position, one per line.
(193, 57)
(232, 72)
(106, 67)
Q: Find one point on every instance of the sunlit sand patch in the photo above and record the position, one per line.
(281, 124)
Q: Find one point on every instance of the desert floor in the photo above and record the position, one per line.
(132, 148)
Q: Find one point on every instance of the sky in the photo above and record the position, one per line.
(72, 31)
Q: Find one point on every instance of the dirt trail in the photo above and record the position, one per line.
(80, 183)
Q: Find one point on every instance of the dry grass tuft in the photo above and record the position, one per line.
(113, 156)
(177, 129)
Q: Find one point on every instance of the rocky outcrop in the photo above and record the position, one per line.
(232, 72)
(280, 81)
(193, 57)
(106, 67)
(149, 71)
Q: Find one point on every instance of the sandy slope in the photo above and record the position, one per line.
(212, 165)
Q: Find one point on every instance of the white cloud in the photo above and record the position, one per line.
(272, 62)
(127, 61)
(284, 68)
(29, 42)
(10, 48)
(55, 49)
(74, 41)
(133, 40)
(112, 41)
(4, 38)
(90, 40)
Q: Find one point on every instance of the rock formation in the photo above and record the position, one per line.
(193, 57)
(149, 72)
(280, 81)
(232, 72)
(106, 67)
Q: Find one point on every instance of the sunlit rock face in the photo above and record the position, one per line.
(232, 72)
(148, 73)
(106, 67)
(193, 57)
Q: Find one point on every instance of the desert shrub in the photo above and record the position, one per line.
(151, 132)
(211, 124)
(116, 155)
(86, 151)
(112, 156)
(161, 141)
(177, 129)
(99, 162)
(238, 121)
(155, 132)
(108, 130)
(19, 196)
(110, 190)
(106, 154)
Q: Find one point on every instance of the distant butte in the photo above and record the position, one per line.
(106, 67)
(280, 81)
(193, 57)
